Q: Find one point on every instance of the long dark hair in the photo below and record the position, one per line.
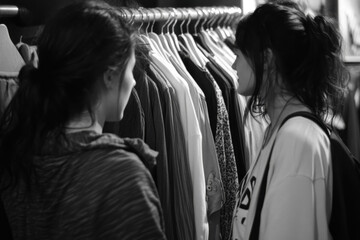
(307, 55)
(75, 49)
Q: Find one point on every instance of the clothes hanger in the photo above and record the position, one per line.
(202, 59)
(155, 37)
(152, 44)
(170, 40)
(219, 29)
(216, 50)
(218, 39)
(211, 23)
(204, 31)
(165, 25)
(132, 21)
(219, 53)
(199, 16)
(10, 60)
(172, 34)
(216, 34)
(186, 42)
(173, 52)
(143, 35)
(229, 20)
(168, 43)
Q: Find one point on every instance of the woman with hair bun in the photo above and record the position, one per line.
(60, 176)
(289, 62)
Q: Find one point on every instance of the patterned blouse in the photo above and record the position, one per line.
(227, 162)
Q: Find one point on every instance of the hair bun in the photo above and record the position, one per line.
(321, 30)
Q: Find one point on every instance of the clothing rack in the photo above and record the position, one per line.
(164, 14)
(147, 14)
(8, 11)
(21, 15)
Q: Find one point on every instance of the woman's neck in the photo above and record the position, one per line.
(277, 110)
(84, 122)
(282, 106)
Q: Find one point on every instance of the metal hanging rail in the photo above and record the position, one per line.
(163, 14)
(21, 15)
(9, 11)
(145, 14)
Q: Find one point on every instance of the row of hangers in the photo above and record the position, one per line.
(215, 26)
(210, 16)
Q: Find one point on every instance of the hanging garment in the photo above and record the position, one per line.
(8, 87)
(143, 119)
(194, 141)
(215, 193)
(13, 61)
(223, 141)
(155, 138)
(254, 128)
(214, 187)
(11, 65)
(181, 188)
(235, 119)
(89, 186)
(199, 39)
(211, 164)
(206, 87)
(224, 60)
(169, 43)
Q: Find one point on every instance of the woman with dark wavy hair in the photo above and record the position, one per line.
(289, 62)
(61, 177)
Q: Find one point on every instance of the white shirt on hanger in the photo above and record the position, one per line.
(194, 142)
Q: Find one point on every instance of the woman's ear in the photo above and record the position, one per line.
(109, 78)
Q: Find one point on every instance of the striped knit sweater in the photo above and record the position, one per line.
(93, 186)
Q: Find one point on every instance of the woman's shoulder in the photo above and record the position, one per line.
(106, 154)
(114, 159)
(303, 131)
(302, 148)
(125, 153)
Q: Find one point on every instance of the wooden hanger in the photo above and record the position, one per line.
(10, 60)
